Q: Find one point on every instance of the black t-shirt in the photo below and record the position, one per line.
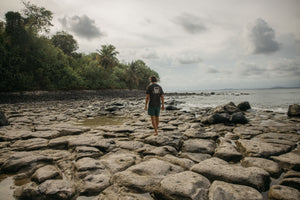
(155, 92)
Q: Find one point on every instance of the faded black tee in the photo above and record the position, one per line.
(155, 92)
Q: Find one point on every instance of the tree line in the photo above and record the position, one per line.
(30, 60)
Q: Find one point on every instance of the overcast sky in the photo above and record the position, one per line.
(192, 44)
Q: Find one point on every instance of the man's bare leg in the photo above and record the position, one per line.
(154, 124)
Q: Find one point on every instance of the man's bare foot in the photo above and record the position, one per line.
(155, 134)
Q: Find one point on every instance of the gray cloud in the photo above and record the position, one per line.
(192, 24)
(82, 26)
(262, 37)
(149, 54)
(189, 59)
(211, 70)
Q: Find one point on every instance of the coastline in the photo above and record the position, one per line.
(106, 161)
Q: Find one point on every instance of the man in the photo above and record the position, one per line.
(155, 97)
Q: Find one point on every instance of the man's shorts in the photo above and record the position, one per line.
(154, 111)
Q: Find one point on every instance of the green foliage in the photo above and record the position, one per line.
(65, 42)
(29, 61)
(108, 56)
(37, 19)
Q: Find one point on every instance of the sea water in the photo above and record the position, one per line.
(277, 100)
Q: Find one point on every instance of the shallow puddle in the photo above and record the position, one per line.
(102, 121)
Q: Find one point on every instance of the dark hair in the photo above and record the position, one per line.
(153, 79)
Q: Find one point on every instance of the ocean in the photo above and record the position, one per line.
(277, 100)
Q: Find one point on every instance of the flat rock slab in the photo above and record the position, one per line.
(268, 165)
(57, 189)
(246, 132)
(22, 159)
(163, 140)
(199, 146)
(217, 169)
(83, 151)
(196, 157)
(280, 138)
(94, 184)
(289, 160)
(85, 164)
(227, 151)
(281, 192)
(114, 192)
(227, 191)
(291, 182)
(30, 144)
(146, 175)
(185, 185)
(119, 161)
(45, 173)
(255, 148)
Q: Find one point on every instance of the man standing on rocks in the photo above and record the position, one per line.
(155, 98)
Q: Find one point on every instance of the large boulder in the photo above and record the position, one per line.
(243, 106)
(3, 119)
(294, 110)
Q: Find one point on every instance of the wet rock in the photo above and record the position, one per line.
(146, 175)
(217, 169)
(243, 106)
(171, 107)
(45, 173)
(294, 110)
(289, 160)
(184, 185)
(22, 159)
(228, 191)
(229, 108)
(119, 161)
(216, 118)
(3, 119)
(268, 165)
(256, 148)
(227, 151)
(199, 146)
(238, 118)
(94, 184)
(57, 189)
(280, 192)
(31, 144)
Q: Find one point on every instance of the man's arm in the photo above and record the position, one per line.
(147, 101)
(162, 102)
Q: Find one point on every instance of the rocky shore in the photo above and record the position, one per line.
(50, 151)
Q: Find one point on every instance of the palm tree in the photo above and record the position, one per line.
(108, 56)
(133, 77)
